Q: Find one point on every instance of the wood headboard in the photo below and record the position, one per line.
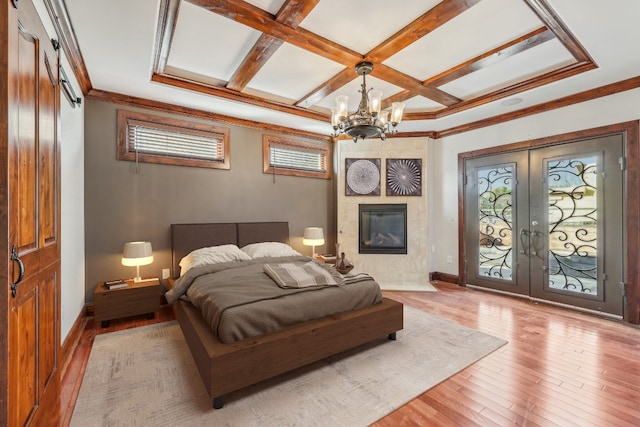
(188, 237)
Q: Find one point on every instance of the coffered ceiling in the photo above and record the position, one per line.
(455, 63)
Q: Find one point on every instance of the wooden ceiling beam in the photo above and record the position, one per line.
(429, 21)
(547, 78)
(492, 57)
(265, 22)
(385, 73)
(292, 13)
(223, 92)
(257, 57)
(327, 88)
(551, 19)
(258, 19)
(485, 60)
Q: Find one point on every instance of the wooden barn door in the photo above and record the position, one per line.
(33, 221)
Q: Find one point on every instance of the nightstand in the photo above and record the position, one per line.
(136, 298)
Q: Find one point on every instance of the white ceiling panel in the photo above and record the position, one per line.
(208, 44)
(532, 62)
(115, 55)
(485, 26)
(420, 103)
(293, 72)
(361, 25)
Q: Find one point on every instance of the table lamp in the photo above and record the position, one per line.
(313, 236)
(137, 254)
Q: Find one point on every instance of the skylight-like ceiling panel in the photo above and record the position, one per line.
(352, 91)
(293, 72)
(361, 25)
(271, 6)
(485, 26)
(533, 62)
(209, 44)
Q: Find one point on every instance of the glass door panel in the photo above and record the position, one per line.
(496, 253)
(495, 237)
(572, 199)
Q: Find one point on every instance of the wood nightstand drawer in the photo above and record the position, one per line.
(136, 298)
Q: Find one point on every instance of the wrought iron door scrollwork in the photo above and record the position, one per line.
(573, 224)
(495, 222)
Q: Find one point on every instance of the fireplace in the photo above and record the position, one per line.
(382, 229)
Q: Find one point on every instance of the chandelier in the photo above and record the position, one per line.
(368, 121)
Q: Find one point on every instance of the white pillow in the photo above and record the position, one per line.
(212, 255)
(269, 249)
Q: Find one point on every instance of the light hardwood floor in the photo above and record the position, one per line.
(560, 367)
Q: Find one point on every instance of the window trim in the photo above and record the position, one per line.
(320, 147)
(127, 118)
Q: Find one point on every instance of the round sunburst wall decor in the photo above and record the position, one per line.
(363, 177)
(404, 177)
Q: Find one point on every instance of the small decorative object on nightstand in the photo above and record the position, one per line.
(343, 266)
(142, 297)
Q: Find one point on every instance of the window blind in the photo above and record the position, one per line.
(161, 141)
(297, 158)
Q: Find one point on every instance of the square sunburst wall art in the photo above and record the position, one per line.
(404, 177)
(363, 177)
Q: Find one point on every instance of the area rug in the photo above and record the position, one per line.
(145, 376)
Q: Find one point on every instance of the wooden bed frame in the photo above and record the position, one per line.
(225, 368)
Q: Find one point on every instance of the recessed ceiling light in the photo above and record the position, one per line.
(511, 101)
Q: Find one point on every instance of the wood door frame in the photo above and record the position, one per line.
(630, 131)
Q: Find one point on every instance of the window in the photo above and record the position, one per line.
(155, 139)
(283, 156)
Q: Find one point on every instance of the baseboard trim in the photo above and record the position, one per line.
(89, 309)
(444, 277)
(72, 340)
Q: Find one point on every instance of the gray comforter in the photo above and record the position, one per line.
(240, 301)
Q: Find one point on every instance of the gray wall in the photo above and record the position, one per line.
(123, 205)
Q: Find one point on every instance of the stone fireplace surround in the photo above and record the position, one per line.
(390, 270)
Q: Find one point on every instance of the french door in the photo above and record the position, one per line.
(548, 223)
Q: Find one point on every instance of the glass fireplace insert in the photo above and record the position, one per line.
(382, 228)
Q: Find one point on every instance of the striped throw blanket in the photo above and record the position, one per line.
(290, 275)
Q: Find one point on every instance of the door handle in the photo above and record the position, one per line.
(523, 246)
(16, 258)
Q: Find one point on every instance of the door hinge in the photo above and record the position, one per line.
(464, 180)
(623, 287)
(56, 44)
(622, 161)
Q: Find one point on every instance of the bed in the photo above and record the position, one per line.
(227, 367)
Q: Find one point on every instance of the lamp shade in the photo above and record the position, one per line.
(313, 236)
(137, 253)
